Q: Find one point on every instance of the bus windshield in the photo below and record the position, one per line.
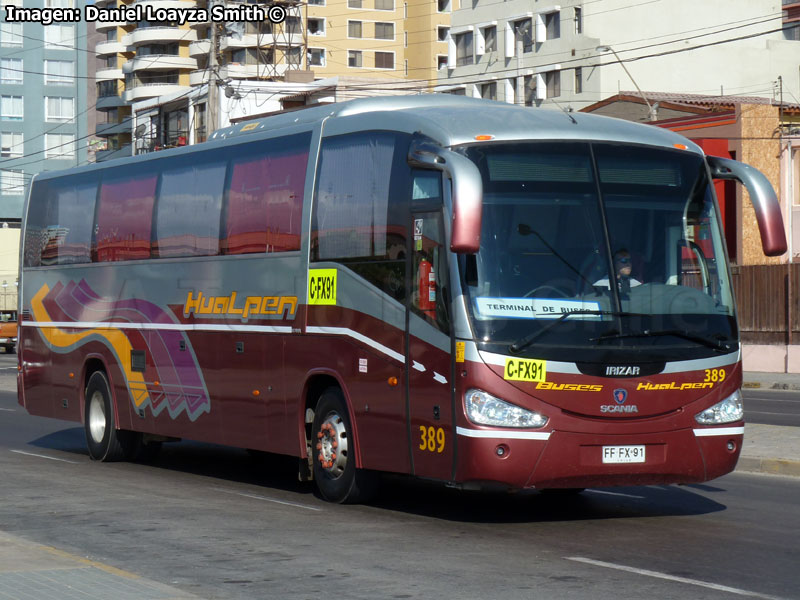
(598, 252)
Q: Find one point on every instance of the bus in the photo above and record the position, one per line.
(421, 285)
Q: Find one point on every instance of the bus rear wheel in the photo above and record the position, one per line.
(335, 472)
(104, 441)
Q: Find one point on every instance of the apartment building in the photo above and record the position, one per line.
(572, 53)
(43, 100)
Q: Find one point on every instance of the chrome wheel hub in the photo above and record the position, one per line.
(332, 445)
(97, 417)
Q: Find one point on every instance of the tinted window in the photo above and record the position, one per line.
(59, 227)
(265, 196)
(361, 212)
(125, 215)
(188, 208)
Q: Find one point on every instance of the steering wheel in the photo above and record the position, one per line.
(548, 288)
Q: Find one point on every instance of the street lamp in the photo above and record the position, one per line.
(651, 108)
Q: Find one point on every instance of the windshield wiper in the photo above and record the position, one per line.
(532, 337)
(687, 335)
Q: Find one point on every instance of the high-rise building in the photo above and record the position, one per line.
(43, 101)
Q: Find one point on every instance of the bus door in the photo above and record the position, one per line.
(430, 400)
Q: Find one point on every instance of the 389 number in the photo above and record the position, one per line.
(714, 375)
(431, 439)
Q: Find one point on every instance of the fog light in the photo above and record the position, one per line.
(731, 445)
(502, 451)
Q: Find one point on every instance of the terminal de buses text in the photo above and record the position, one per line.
(218, 13)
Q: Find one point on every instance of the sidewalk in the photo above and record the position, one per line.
(770, 448)
(30, 571)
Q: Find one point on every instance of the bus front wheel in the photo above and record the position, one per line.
(335, 472)
(104, 441)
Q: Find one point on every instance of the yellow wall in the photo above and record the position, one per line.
(9, 265)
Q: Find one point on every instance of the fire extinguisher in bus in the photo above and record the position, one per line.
(427, 288)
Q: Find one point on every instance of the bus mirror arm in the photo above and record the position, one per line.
(465, 237)
(765, 202)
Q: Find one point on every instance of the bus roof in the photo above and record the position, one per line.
(459, 120)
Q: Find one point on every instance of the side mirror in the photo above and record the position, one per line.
(465, 237)
(765, 201)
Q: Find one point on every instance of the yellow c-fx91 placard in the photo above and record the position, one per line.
(525, 369)
(322, 286)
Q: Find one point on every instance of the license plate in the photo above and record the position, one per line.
(623, 454)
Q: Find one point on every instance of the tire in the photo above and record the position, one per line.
(104, 442)
(335, 472)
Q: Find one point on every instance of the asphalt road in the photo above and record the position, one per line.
(772, 407)
(219, 523)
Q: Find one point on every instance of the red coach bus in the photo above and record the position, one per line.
(450, 288)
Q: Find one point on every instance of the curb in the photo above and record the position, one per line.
(773, 466)
(774, 386)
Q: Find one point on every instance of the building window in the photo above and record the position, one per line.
(578, 80)
(12, 108)
(384, 4)
(316, 2)
(552, 23)
(354, 3)
(354, 29)
(12, 182)
(294, 56)
(316, 26)
(11, 145)
(464, 49)
(489, 90)
(441, 62)
(355, 59)
(59, 72)
(384, 31)
(59, 109)
(529, 89)
(441, 33)
(58, 3)
(523, 34)
(59, 145)
(11, 34)
(11, 70)
(59, 37)
(578, 20)
(316, 57)
(490, 38)
(443, 5)
(384, 60)
(553, 83)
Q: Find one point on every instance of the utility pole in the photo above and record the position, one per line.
(213, 75)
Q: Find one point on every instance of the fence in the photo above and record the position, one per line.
(768, 300)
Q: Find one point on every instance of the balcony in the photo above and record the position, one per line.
(159, 62)
(108, 26)
(198, 77)
(199, 48)
(106, 129)
(108, 74)
(237, 71)
(108, 102)
(151, 90)
(158, 35)
(111, 47)
(122, 152)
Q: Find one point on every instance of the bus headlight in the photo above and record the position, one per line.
(485, 409)
(727, 411)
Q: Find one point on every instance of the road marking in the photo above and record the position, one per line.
(265, 499)
(657, 575)
(8, 409)
(72, 462)
(614, 494)
(761, 412)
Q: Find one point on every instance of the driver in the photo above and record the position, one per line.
(622, 267)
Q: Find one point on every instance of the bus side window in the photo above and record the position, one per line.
(361, 210)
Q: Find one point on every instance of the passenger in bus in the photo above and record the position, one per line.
(622, 267)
